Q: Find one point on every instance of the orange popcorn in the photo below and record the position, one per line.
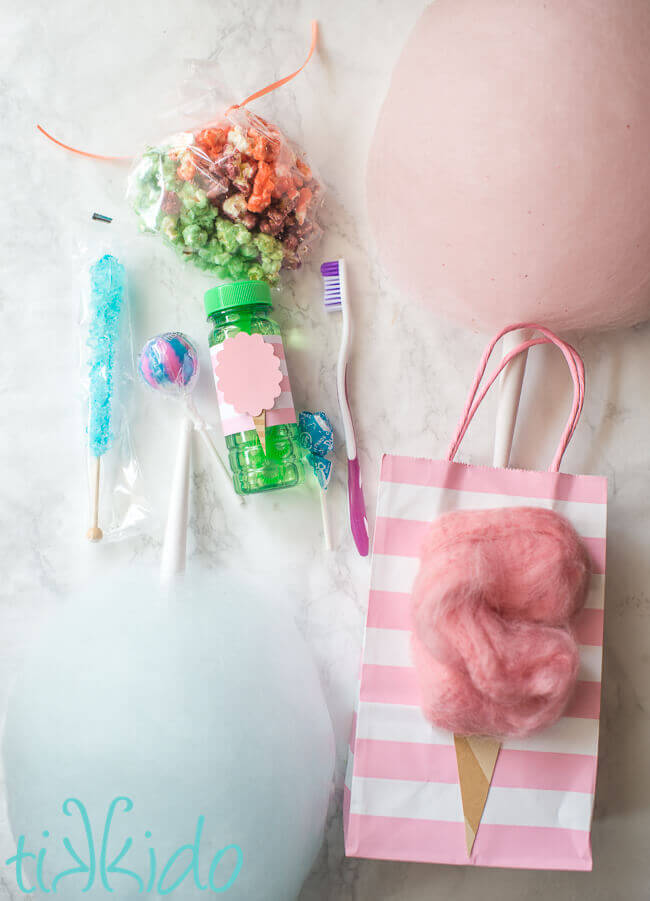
(304, 199)
(212, 140)
(187, 169)
(262, 188)
(263, 147)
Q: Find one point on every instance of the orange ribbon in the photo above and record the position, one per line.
(260, 93)
(278, 84)
(93, 156)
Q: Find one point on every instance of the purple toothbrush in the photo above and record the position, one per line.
(335, 298)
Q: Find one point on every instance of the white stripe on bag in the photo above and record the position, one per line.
(425, 503)
(441, 801)
(393, 573)
(401, 723)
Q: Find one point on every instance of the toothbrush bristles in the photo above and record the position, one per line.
(332, 298)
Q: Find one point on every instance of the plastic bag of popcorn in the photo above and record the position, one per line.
(234, 197)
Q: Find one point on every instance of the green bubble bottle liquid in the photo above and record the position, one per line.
(245, 306)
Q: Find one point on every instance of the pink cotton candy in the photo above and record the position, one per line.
(493, 606)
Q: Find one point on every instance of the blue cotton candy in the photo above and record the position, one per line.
(107, 293)
(199, 701)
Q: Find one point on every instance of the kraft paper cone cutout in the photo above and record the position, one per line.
(476, 758)
(260, 428)
(249, 377)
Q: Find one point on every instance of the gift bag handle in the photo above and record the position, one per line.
(576, 368)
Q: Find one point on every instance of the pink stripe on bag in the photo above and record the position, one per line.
(389, 610)
(513, 482)
(398, 685)
(244, 423)
(589, 627)
(521, 847)
(585, 703)
(515, 769)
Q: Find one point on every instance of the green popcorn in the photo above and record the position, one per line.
(226, 232)
(237, 268)
(242, 235)
(191, 195)
(205, 216)
(219, 254)
(168, 167)
(194, 236)
(169, 228)
(249, 251)
(214, 253)
(267, 244)
(255, 272)
(271, 267)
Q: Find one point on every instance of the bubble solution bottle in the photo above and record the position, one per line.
(246, 306)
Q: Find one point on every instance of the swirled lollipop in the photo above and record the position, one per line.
(169, 363)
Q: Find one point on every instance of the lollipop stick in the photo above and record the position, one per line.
(326, 520)
(175, 541)
(94, 533)
(201, 427)
(209, 444)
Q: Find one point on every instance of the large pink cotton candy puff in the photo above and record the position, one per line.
(509, 175)
(493, 606)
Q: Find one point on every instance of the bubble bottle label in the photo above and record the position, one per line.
(281, 413)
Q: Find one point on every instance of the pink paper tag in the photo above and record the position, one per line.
(247, 376)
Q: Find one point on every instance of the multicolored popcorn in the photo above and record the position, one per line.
(234, 198)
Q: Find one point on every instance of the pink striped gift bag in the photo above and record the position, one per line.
(402, 798)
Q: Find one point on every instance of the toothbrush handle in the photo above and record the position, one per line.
(358, 520)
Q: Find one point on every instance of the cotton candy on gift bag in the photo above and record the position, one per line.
(402, 795)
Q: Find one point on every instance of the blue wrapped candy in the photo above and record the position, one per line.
(317, 437)
(316, 433)
(322, 468)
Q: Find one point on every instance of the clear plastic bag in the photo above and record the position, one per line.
(235, 198)
(118, 507)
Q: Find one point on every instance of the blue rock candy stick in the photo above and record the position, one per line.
(108, 291)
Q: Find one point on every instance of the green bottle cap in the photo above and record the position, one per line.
(236, 294)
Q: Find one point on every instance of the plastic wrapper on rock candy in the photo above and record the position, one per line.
(235, 198)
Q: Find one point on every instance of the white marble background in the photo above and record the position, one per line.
(103, 76)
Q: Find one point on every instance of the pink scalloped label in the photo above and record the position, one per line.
(250, 374)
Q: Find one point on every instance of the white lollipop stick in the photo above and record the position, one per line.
(201, 427)
(324, 512)
(175, 542)
(510, 382)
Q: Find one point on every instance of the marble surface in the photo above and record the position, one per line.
(106, 77)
